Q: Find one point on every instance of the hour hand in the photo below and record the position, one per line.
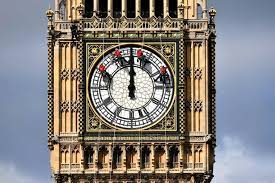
(132, 89)
(132, 74)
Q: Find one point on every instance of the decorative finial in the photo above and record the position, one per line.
(50, 14)
(181, 8)
(80, 9)
(212, 12)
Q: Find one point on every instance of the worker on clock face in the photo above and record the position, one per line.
(119, 59)
(106, 76)
(142, 58)
(163, 76)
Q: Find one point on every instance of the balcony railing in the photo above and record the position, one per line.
(75, 166)
(188, 165)
(198, 165)
(133, 165)
(136, 24)
(90, 165)
(160, 165)
(64, 166)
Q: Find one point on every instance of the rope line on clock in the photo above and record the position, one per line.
(141, 129)
(100, 124)
(165, 133)
(115, 115)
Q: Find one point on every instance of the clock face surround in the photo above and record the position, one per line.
(133, 89)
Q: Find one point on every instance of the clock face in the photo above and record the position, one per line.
(131, 87)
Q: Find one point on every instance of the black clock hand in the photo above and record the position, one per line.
(132, 73)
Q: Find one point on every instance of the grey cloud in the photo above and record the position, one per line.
(245, 81)
(235, 163)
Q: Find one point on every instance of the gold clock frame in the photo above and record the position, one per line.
(172, 106)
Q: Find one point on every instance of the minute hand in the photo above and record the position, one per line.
(132, 73)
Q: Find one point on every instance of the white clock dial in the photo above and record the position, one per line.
(129, 94)
(144, 88)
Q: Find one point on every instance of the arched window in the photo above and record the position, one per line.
(173, 8)
(159, 157)
(130, 157)
(103, 12)
(117, 8)
(131, 8)
(199, 12)
(102, 157)
(159, 8)
(145, 157)
(89, 6)
(145, 9)
(173, 157)
(66, 158)
(117, 158)
(62, 10)
(89, 154)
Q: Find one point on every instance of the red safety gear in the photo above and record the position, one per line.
(163, 70)
(117, 53)
(102, 68)
(139, 53)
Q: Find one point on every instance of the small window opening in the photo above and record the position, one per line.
(173, 9)
(131, 8)
(62, 10)
(103, 4)
(117, 9)
(89, 154)
(173, 157)
(130, 157)
(159, 157)
(102, 158)
(89, 6)
(145, 157)
(145, 9)
(199, 11)
(159, 8)
(117, 158)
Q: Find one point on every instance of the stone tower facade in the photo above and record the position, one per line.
(95, 132)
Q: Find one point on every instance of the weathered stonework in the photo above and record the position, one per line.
(178, 148)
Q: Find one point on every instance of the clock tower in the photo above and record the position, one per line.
(131, 91)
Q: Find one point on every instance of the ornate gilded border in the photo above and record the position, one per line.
(164, 124)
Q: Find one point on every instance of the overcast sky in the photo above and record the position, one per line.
(245, 92)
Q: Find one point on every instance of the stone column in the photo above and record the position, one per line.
(124, 8)
(180, 8)
(95, 7)
(95, 157)
(181, 154)
(138, 8)
(166, 156)
(123, 156)
(165, 8)
(110, 8)
(152, 157)
(56, 10)
(152, 8)
(110, 151)
(138, 156)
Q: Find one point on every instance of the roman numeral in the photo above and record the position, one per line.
(157, 102)
(140, 113)
(99, 88)
(106, 102)
(147, 114)
(155, 74)
(118, 111)
(131, 115)
(159, 87)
